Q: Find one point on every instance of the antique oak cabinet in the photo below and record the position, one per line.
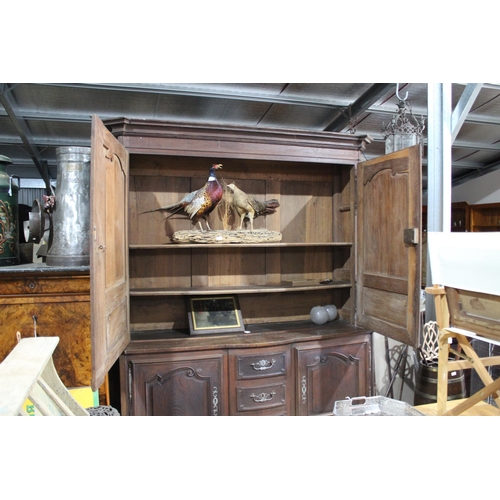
(350, 237)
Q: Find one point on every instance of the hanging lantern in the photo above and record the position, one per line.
(404, 130)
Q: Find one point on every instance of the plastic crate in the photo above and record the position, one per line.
(374, 406)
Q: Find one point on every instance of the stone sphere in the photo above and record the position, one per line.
(319, 315)
(332, 312)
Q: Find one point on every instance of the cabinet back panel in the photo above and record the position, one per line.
(220, 267)
(232, 168)
(302, 206)
(160, 269)
(234, 267)
(304, 191)
(306, 263)
(170, 313)
(290, 306)
(149, 193)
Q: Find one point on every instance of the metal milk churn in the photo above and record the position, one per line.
(9, 239)
(71, 213)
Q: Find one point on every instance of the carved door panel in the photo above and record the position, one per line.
(178, 385)
(109, 253)
(389, 211)
(331, 372)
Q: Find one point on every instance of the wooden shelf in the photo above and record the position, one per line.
(175, 246)
(495, 227)
(278, 288)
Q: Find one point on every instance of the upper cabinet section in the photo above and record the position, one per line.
(311, 175)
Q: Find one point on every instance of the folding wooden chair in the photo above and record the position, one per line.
(469, 359)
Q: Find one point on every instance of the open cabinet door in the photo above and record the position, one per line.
(389, 208)
(109, 251)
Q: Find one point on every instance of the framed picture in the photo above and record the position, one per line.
(209, 315)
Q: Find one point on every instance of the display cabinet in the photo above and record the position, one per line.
(485, 217)
(350, 237)
(460, 217)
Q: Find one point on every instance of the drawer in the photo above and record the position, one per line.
(261, 397)
(34, 285)
(261, 365)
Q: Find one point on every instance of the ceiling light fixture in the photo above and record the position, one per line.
(404, 130)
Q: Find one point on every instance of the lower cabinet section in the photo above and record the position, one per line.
(303, 375)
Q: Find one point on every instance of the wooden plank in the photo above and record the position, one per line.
(479, 410)
(20, 371)
(58, 392)
(442, 384)
(474, 399)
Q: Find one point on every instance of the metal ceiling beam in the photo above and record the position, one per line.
(22, 129)
(206, 93)
(77, 117)
(54, 142)
(478, 172)
(457, 145)
(367, 99)
(463, 107)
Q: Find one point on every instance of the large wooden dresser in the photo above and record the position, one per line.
(350, 237)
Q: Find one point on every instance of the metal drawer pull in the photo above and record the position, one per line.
(263, 364)
(262, 397)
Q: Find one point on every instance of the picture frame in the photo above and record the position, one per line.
(210, 315)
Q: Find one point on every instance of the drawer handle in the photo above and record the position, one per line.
(263, 397)
(263, 364)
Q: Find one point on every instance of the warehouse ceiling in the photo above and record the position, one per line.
(36, 118)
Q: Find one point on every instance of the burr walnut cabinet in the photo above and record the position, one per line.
(350, 237)
(36, 300)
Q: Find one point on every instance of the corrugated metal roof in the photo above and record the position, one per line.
(36, 118)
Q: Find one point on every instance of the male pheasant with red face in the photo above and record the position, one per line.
(198, 204)
(248, 207)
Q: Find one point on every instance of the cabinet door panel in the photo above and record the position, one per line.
(109, 254)
(174, 386)
(329, 373)
(389, 260)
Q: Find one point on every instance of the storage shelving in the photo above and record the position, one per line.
(350, 237)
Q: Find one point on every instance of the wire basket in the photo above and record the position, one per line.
(376, 406)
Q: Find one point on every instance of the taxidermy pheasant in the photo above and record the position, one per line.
(198, 204)
(248, 207)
